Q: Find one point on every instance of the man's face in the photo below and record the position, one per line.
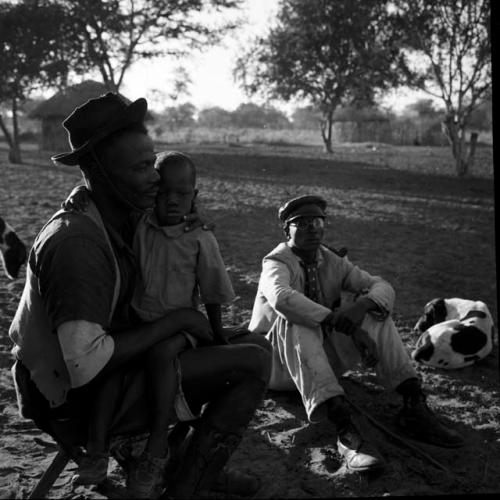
(175, 195)
(129, 162)
(306, 233)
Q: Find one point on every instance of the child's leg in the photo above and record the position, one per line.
(163, 384)
(102, 413)
(147, 477)
(93, 468)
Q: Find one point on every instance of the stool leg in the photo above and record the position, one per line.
(50, 475)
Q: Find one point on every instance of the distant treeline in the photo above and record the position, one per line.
(418, 124)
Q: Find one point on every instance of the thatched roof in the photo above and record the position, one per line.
(60, 105)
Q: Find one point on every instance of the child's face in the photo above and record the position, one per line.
(175, 195)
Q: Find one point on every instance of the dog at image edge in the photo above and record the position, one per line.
(454, 333)
(12, 250)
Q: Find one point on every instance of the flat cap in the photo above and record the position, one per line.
(302, 206)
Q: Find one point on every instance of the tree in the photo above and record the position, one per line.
(32, 54)
(116, 33)
(423, 108)
(481, 117)
(447, 53)
(255, 116)
(178, 116)
(329, 52)
(214, 117)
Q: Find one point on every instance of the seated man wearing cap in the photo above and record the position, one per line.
(74, 325)
(315, 341)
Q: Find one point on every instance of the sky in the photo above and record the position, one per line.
(211, 71)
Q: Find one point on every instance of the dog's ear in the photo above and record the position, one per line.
(440, 311)
(434, 312)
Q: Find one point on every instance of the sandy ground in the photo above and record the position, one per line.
(292, 458)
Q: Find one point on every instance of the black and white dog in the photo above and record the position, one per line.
(454, 333)
(12, 250)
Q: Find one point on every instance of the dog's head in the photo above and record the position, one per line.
(435, 312)
(12, 250)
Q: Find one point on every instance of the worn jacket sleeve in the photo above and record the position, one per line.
(289, 303)
(76, 279)
(86, 349)
(373, 287)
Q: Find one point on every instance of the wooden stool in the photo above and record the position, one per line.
(54, 470)
(67, 452)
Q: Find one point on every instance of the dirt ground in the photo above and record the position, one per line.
(429, 235)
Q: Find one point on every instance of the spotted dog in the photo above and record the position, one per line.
(454, 333)
(12, 250)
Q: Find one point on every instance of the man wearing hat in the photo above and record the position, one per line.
(74, 325)
(315, 341)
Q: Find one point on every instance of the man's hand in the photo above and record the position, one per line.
(78, 200)
(329, 322)
(193, 322)
(366, 346)
(348, 319)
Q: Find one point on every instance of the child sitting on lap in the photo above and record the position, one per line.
(178, 268)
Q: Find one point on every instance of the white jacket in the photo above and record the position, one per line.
(282, 281)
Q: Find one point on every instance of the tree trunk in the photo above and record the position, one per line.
(456, 138)
(472, 150)
(14, 155)
(326, 131)
(15, 150)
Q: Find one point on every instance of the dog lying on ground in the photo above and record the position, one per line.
(454, 333)
(12, 250)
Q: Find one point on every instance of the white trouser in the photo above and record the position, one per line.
(306, 359)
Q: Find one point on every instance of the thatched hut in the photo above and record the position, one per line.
(55, 109)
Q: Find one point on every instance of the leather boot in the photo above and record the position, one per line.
(359, 454)
(207, 452)
(419, 422)
(216, 436)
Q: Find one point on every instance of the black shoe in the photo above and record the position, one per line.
(418, 421)
(359, 455)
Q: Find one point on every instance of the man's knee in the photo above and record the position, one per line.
(247, 337)
(261, 341)
(257, 360)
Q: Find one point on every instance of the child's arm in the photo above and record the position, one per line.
(215, 320)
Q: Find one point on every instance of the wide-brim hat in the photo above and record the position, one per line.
(302, 206)
(96, 119)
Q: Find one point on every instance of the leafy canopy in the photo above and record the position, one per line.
(32, 52)
(327, 52)
(116, 33)
(447, 51)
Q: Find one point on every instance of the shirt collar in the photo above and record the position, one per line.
(319, 255)
(169, 231)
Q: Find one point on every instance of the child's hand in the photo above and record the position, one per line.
(194, 322)
(78, 200)
(194, 220)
